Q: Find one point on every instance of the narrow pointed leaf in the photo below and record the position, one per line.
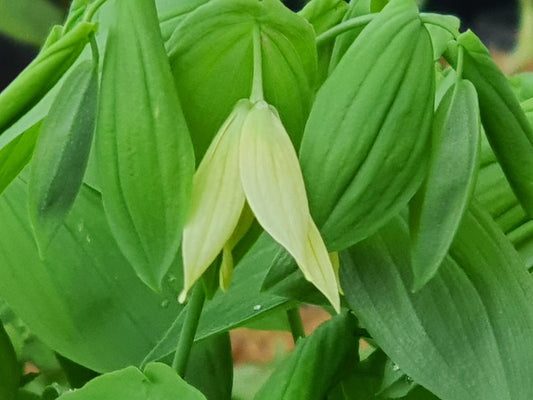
(438, 208)
(473, 319)
(62, 152)
(143, 149)
(216, 41)
(508, 129)
(370, 145)
(303, 374)
(217, 199)
(9, 368)
(157, 382)
(274, 188)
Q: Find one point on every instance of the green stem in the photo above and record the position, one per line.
(257, 83)
(345, 26)
(94, 49)
(460, 58)
(296, 324)
(186, 339)
(91, 10)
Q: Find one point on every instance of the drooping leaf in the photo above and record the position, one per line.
(156, 382)
(508, 130)
(145, 159)
(62, 152)
(85, 295)
(210, 367)
(316, 364)
(368, 147)
(212, 59)
(9, 368)
(473, 319)
(438, 208)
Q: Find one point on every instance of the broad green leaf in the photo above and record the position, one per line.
(156, 382)
(241, 303)
(508, 129)
(324, 14)
(212, 59)
(471, 320)
(62, 152)
(367, 137)
(316, 363)
(440, 28)
(16, 153)
(173, 12)
(210, 367)
(437, 210)
(28, 20)
(9, 367)
(85, 295)
(42, 73)
(145, 159)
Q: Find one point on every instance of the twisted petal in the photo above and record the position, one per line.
(217, 199)
(274, 188)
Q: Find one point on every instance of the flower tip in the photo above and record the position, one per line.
(183, 296)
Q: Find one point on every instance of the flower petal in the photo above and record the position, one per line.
(274, 188)
(217, 200)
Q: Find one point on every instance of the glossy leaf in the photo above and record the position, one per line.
(472, 319)
(210, 367)
(16, 153)
(62, 152)
(370, 145)
(85, 295)
(145, 159)
(316, 363)
(508, 130)
(156, 382)
(438, 208)
(43, 73)
(212, 59)
(9, 367)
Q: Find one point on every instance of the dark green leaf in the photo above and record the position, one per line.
(367, 137)
(9, 368)
(62, 152)
(465, 335)
(145, 159)
(157, 382)
(316, 364)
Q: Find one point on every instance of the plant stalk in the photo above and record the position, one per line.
(345, 26)
(296, 324)
(257, 83)
(188, 332)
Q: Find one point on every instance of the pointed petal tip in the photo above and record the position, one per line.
(182, 298)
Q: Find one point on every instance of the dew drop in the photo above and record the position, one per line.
(80, 226)
(171, 279)
(165, 303)
(88, 239)
(395, 367)
(257, 307)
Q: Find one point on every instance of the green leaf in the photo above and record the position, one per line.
(62, 152)
(212, 59)
(43, 73)
(463, 323)
(508, 129)
(145, 159)
(241, 303)
(85, 295)
(15, 153)
(210, 367)
(367, 137)
(438, 208)
(316, 363)
(156, 382)
(173, 12)
(9, 368)
(28, 20)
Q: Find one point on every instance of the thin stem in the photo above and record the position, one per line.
(94, 49)
(186, 339)
(91, 10)
(257, 83)
(296, 324)
(460, 58)
(332, 33)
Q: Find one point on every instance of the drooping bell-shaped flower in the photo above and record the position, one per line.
(252, 159)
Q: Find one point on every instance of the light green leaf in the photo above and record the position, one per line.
(471, 320)
(62, 152)
(156, 382)
(367, 137)
(438, 208)
(85, 295)
(173, 12)
(212, 59)
(9, 368)
(145, 159)
(324, 14)
(316, 364)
